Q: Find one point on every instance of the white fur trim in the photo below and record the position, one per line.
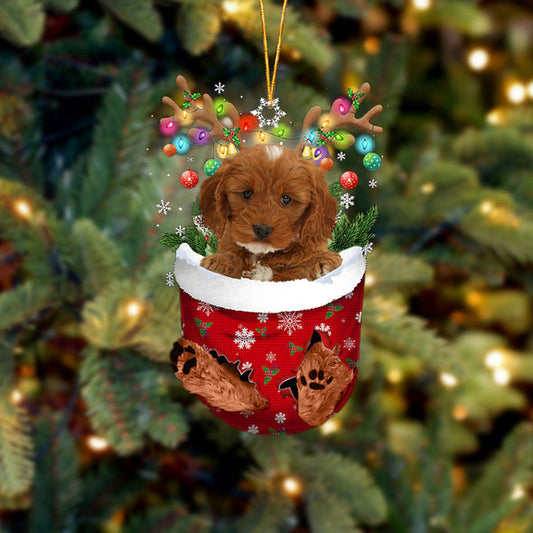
(273, 151)
(267, 296)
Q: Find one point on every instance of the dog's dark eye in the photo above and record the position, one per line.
(286, 200)
(247, 194)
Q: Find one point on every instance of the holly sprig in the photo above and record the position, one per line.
(325, 137)
(355, 97)
(232, 135)
(189, 99)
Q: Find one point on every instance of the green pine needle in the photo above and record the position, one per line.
(349, 233)
(171, 240)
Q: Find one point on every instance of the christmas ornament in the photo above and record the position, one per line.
(326, 164)
(320, 153)
(349, 179)
(248, 123)
(182, 144)
(189, 179)
(169, 150)
(372, 161)
(365, 144)
(211, 166)
(222, 151)
(307, 152)
(167, 126)
(200, 136)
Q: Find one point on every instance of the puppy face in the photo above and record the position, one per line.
(266, 198)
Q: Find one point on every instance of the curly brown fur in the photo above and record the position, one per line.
(211, 376)
(321, 378)
(296, 245)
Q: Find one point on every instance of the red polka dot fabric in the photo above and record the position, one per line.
(273, 345)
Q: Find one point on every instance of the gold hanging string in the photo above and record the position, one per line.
(271, 84)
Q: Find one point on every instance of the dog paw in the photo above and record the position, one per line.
(316, 380)
(214, 378)
(323, 264)
(224, 263)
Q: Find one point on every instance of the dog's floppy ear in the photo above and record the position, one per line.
(213, 202)
(321, 214)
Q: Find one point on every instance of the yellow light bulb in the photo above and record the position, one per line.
(486, 207)
(292, 486)
(15, 397)
(307, 153)
(495, 117)
(478, 59)
(232, 149)
(23, 209)
(516, 92)
(184, 114)
(421, 5)
(329, 427)
(262, 136)
(134, 308)
(427, 188)
(448, 380)
(97, 444)
(518, 492)
(395, 375)
(494, 358)
(501, 376)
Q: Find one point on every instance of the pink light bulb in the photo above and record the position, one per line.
(167, 126)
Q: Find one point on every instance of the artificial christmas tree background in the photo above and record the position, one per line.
(96, 434)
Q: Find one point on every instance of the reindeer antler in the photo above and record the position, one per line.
(346, 119)
(204, 113)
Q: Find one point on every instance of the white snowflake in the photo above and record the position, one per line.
(163, 207)
(358, 316)
(323, 327)
(190, 158)
(270, 104)
(347, 200)
(206, 308)
(247, 365)
(180, 230)
(253, 429)
(219, 88)
(271, 357)
(349, 295)
(373, 184)
(170, 279)
(280, 417)
(244, 337)
(247, 413)
(349, 343)
(262, 317)
(367, 248)
(290, 321)
(341, 156)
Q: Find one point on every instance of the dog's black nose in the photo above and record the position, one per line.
(262, 231)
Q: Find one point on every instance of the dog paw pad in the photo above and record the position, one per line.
(189, 365)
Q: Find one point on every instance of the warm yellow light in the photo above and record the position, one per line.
(459, 412)
(97, 444)
(184, 114)
(501, 376)
(474, 299)
(134, 308)
(222, 151)
(421, 5)
(370, 280)
(232, 149)
(530, 89)
(494, 117)
(516, 92)
(262, 136)
(23, 209)
(486, 207)
(325, 124)
(371, 45)
(307, 153)
(448, 380)
(494, 358)
(394, 375)
(15, 397)
(478, 59)
(231, 6)
(427, 188)
(329, 427)
(518, 492)
(292, 486)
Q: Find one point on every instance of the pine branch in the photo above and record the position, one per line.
(22, 21)
(353, 233)
(198, 27)
(266, 513)
(171, 240)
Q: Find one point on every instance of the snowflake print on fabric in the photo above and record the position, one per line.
(349, 343)
(246, 413)
(206, 308)
(271, 357)
(244, 338)
(347, 200)
(349, 295)
(253, 429)
(290, 322)
(262, 317)
(169, 279)
(358, 316)
(280, 417)
(367, 248)
(163, 207)
(247, 365)
(323, 327)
